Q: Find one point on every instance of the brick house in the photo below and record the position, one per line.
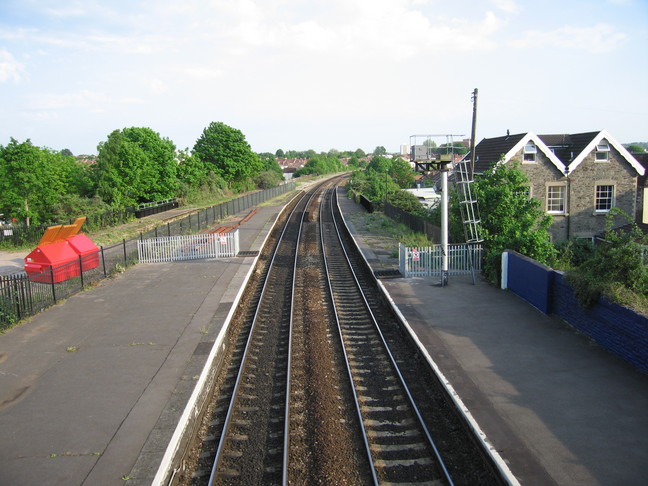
(578, 178)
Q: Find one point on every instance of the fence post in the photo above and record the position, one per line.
(168, 229)
(124, 247)
(53, 285)
(81, 271)
(103, 260)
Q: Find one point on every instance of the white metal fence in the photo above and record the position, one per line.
(428, 261)
(188, 247)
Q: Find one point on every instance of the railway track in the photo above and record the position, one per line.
(322, 385)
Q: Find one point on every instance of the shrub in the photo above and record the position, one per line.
(615, 268)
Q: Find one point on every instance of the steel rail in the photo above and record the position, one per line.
(286, 446)
(344, 351)
(395, 367)
(247, 348)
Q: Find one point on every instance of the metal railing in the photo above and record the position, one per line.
(188, 247)
(413, 222)
(22, 296)
(427, 261)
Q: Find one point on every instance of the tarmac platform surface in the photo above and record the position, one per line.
(92, 389)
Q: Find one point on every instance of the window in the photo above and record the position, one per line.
(556, 199)
(604, 198)
(530, 151)
(602, 151)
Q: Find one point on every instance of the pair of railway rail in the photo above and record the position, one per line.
(323, 386)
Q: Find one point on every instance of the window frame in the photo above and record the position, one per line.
(598, 197)
(602, 153)
(530, 150)
(550, 200)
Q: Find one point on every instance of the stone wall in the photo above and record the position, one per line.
(581, 219)
(585, 221)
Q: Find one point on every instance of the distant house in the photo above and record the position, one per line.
(578, 178)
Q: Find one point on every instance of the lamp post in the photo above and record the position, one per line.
(445, 160)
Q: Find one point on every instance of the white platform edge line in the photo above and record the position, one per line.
(483, 439)
(190, 410)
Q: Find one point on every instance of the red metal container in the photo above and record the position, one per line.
(85, 248)
(50, 256)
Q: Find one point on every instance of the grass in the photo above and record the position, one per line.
(380, 225)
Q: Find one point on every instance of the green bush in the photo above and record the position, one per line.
(616, 269)
(268, 179)
(406, 201)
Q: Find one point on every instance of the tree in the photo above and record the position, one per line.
(280, 153)
(224, 150)
(333, 153)
(353, 162)
(136, 165)
(190, 171)
(66, 152)
(380, 150)
(510, 218)
(635, 148)
(320, 165)
(271, 165)
(380, 164)
(402, 173)
(32, 179)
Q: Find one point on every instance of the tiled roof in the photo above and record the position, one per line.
(490, 150)
(565, 151)
(568, 146)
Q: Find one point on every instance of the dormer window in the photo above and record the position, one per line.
(530, 151)
(603, 151)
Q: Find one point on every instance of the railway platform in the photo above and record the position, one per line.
(558, 408)
(92, 389)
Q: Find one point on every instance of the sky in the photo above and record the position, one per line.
(320, 74)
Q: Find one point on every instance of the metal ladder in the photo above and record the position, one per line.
(469, 208)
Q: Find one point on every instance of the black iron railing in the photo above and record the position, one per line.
(23, 295)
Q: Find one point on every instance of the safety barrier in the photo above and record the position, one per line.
(188, 247)
(427, 261)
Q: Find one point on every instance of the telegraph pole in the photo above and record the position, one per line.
(472, 136)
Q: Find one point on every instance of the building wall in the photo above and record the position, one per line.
(585, 221)
(540, 173)
(580, 218)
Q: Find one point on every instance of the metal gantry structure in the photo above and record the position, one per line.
(426, 161)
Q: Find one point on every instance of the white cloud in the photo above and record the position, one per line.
(156, 86)
(40, 116)
(510, 6)
(85, 99)
(10, 69)
(202, 72)
(600, 38)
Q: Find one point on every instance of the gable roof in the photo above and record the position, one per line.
(491, 150)
(567, 146)
(565, 151)
(594, 141)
